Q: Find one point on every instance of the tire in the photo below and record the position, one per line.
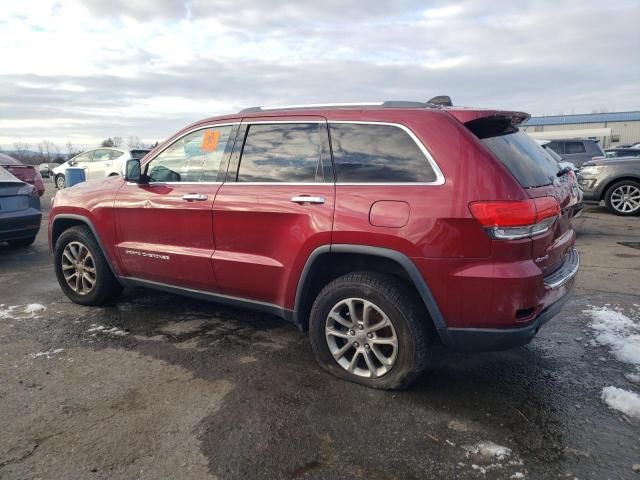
(404, 311)
(21, 242)
(105, 287)
(623, 198)
(60, 181)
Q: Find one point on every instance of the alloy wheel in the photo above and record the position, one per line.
(361, 338)
(78, 268)
(60, 181)
(626, 198)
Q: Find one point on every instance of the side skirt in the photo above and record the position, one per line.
(212, 297)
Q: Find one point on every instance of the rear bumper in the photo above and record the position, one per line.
(494, 339)
(19, 225)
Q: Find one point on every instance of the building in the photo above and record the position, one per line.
(611, 129)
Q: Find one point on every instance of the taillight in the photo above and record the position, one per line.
(507, 220)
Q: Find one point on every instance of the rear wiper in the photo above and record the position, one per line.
(563, 171)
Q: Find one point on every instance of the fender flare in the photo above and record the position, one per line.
(404, 261)
(88, 223)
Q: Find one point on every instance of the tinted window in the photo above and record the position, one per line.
(573, 147)
(524, 158)
(138, 153)
(105, 155)
(556, 147)
(377, 153)
(193, 158)
(282, 153)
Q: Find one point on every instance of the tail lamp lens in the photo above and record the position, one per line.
(511, 220)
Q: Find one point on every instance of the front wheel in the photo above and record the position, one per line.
(82, 269)
(60, 181)
(371, 329)
(623, 198)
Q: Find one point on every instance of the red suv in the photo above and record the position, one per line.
(379, 228)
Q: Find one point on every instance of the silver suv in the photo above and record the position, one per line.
(614, 180)
(575, 150)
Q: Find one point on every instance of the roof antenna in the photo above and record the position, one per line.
(442, 100)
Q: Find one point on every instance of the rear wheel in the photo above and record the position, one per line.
(22, 242)
(82, 270)
(60, 181)
(370, 329)
(623, 198)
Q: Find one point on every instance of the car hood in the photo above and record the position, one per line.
(61, 168)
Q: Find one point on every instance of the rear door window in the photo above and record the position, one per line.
(283, 152)
(557, 147)
(572, 148)
(377, 153)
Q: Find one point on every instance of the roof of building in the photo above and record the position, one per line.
(585, 118)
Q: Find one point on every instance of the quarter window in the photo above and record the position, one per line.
(573, 147)
(193, 158)
(287, 152)
(371, 153)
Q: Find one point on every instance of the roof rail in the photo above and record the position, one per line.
(385, 104)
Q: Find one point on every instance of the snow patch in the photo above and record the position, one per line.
(618, 332)
(34, 308)
(96, 328)
(47, 353)
(517, 475)
(488, 450)
(622, 400)
(20, 312)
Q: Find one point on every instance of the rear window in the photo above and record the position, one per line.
(529, 163)
(373, 153)
(571, 148)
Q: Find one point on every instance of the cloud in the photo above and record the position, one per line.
(89, 69)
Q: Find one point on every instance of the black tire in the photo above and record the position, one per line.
(404, 309)
(22, 242)
(60, 181)
(609, 201)
(106, 288)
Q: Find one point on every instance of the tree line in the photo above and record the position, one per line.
(47, 151)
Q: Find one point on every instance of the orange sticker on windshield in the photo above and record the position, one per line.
(210, 140)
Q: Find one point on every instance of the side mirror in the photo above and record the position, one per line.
(72, 162)
(133, 172)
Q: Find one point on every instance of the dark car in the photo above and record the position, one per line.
(19, 211)
(622, 152)
(378, 228)
(614, 180)
(27, 173)
(575, 150)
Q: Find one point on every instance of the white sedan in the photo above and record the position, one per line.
(98, 163)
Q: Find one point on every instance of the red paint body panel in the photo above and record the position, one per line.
(263, 239)
(251, 241)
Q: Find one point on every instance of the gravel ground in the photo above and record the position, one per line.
(159, 386)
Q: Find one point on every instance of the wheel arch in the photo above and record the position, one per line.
(65, 221)
(339, 259)
(615, 180)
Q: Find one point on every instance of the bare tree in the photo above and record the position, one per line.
(20, 150)
(134, 141)
(46, 149)
(117, 141)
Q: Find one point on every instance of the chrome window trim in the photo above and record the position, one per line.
(267, 122)
(308, 184)
(440, 180)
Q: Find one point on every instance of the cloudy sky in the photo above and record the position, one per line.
(83, 70)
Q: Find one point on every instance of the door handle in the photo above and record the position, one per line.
(306, 199)
(195, 197)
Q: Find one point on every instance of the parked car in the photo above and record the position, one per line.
(622, 152)
(614, 180)
(27, 173)
(575, 150)
(46, 169)
(98, 163)
(378, 228)
(20, 214)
